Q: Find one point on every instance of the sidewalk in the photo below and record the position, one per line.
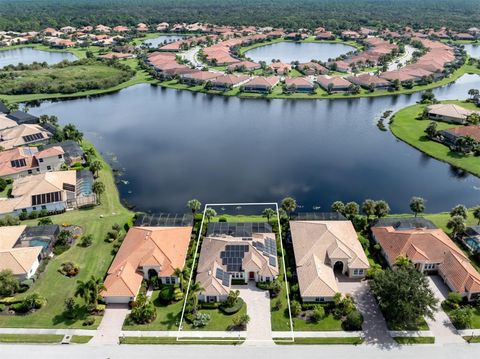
(91, 332)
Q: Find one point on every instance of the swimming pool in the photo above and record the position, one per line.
(38, 242)
(473, 243)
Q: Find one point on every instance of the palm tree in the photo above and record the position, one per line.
(95, 167)
(476, 213)
(459, 210)
(83, 291)
(338, 206)
(381, 208)
(402, 261)
(195, 289)
(289, 205)
(194, 205)
(209, 214)
(417, 205)
(96, 286)
(268, 213)
(368, 208)
(457, 225)
(98, 188)
(182, 275)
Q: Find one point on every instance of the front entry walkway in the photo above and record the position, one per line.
(259, 329)
(110, 328)
(374, 326)
(442, 327)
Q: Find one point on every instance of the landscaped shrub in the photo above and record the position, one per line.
(89, 321)
(222, 219)
(207, 305)
(200, 320)
(240, 321)
(462, 317)
(295, 308)
(353, 321)
(19, 308)
(69, 269)
(166, 294)
(318, 314)
(233, 309)
(9, 284)
(177, 294)
(143, 310)
(86, 240)
(277, 305)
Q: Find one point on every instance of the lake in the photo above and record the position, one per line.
(298, 51)
(473, 50)
(28, 55)
(162, 39)
(173, 145)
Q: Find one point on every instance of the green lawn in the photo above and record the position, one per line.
(242, 218)
(414, 340)
(410, 130)
(421, 325)
(474, 339)
(168, 318)
(93, 260)
(319, 341)
(169, 340)
(4, 193)
(30, 338)
(475, 316)
(80, 339)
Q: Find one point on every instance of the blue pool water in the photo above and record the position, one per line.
(473, 243)
(39, 243)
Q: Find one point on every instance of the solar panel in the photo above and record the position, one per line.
(273, 261)
(18, 163)
(164, 220)
(240, 229)
(34, 137)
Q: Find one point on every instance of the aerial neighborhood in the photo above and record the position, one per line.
(185, 215)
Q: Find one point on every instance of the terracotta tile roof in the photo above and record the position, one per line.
(460, 273)
(230, 80)
(50, 152)
(9, 235)
(263, 81)
(449, 110)
(336, 81)
(17, 153)
(315, 243)
(163, 247)
(472, 131)
(14, 137)
(303, 82)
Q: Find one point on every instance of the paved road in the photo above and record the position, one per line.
(442, 327)
(402, 60)
(191, 56)
(71, 351)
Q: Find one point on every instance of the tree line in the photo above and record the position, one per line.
(27, 15)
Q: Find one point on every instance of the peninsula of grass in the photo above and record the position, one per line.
(414, 340)
(31, 338)
(93, 260)
(407, 128)
(173, 340)
(320, 341)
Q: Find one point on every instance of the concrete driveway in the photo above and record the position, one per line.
(259, 330)
(109, 329)
(374, 326)
(441, 326)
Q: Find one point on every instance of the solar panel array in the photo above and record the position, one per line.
(223, 276)
(319, 216)
(34, 137)
(269, 249)
(164, 220)
(233, 255)
(240, 229)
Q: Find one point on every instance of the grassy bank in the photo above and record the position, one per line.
(412, 131)
(93, 260)
(30, 338)
(414, 340)
(169, 341)
(319, 341)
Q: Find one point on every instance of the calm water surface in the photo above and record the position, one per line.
(163, 39)
(473, 50)
(175, 145)
(298, 51)
(27, 55)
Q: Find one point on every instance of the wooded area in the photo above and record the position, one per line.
(23, 15)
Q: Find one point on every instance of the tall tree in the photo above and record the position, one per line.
(339, 207)
(95, 167)
(382, 209)
(417, 205)
(404, 295)
(457, 225)
(352, 209)
(268, 213)
(194, 205)
(368, 208)
(289, 205)
(476, 213)
(209, 214)
(459, 210)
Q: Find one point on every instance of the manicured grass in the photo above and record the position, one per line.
(30, 338)
(242, 218)
(168, 318)
(93, 260)
(414, 340)
(475, 317)
(80, 339)
(407, 128)
(474, 339)
(421, 325)
(320, 341)
(168, 340)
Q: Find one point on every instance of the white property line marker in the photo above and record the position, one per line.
(190, 339)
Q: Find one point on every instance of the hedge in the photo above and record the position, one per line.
(236, 307)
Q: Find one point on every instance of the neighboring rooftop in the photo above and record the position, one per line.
(405, 223)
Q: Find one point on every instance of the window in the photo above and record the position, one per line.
(49, 168)
(320, 299)
(167, 280)
(358, 272)
(46, 198)
(18, 163)
(29, 172)
(68, 187)
(44, 207)
(429, 266)
(60, 156)
(40, 160)
(32, 138)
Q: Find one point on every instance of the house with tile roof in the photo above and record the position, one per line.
(449, 112)
(299, 84)
(22, 135)
(324, 250)
(23, 161)
(247, 256)
(146, 252)
(333, 83)
(430, 251)
(261, 84)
